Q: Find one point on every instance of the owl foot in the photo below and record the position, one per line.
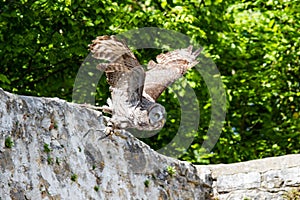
(110, 128)
(108, 131)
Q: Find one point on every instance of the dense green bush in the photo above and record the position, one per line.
(254, 44)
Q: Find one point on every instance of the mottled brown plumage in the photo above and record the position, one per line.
(134, 91)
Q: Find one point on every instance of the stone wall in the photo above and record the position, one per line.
(268, 178)
(51, 149)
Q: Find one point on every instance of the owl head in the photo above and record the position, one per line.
(148, 117)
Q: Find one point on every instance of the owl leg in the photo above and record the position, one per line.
(105, 109)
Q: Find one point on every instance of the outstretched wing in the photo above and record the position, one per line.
(169, 67)
(123, 71)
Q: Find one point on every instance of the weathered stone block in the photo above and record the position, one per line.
(238, 181)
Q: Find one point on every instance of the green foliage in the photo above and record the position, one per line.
(47, 148)
(96, 188)
(49, 160)
(74, 177)
(171, 170)
(262, 80)
(255, 45)
(147, 183)
(8, 142)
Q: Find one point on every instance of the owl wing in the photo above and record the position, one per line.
(169, 67)
(124, 72)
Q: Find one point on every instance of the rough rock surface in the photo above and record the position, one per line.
(51, 149)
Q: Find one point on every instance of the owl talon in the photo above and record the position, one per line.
(109, 126)
(109, 131)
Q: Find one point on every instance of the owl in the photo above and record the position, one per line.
(134, 90)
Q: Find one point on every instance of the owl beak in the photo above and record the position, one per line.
(163, 121)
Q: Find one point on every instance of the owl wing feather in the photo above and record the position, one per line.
(169, 67)
(124, 72)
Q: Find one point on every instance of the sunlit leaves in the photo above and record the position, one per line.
(255, 45)
(266, 84)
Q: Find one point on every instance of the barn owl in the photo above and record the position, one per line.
(134, 90)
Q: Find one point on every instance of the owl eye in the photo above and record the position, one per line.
(157, 116)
